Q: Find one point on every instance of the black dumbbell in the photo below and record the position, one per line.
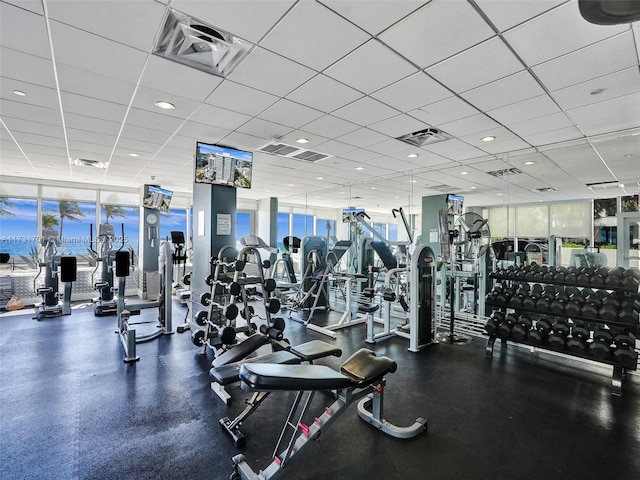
(601, 345)
(504, 329)
(630, 282)
(273, 306)
(247, 313)
(608, 312)
(628, 316)
(614, 278)
(521, 329)
(227, 335)
(543, 325)
(496, 318)
(626, 356)
(235, 288)
(558, 304)
(577, 345)
(198, 337)
(558, 336)
(202, 318)
(543, 304)
(584, 277)
(205, 299)
(589, 310)
(231, 312)
(539, 333)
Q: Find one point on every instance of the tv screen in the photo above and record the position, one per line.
(454, 204)
(218, 165)
(157, 198)
(346, 213)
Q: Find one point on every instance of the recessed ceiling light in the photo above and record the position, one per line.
(621, 185)
(290, 185)
(464, 173)
(165, 105)
(302, 140)
(414, 181)
(359, 168)
(133, 155)
(340, 193)
(19, 93)
(374, 188)
(397, 196)
(412, 155)
(488, 138)
(530, 162)
(627, 155)
(473, 188)
(499, 194)
(319, 178)
(597, 91)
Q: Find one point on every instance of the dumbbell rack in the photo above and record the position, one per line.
(619, 369)
(229, 276)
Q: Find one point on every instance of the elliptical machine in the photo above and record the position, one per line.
(51, 306)
(106, 303)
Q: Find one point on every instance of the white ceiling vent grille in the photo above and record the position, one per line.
(425, 137)
(505, 172)
(545, 189)
(444, 188)
(194, 43)
(83, 162)
(289, 151)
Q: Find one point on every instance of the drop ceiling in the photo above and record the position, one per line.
(561, 97)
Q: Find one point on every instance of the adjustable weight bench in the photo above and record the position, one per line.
(227, 374)
(361, 378)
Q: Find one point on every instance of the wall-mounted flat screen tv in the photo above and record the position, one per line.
(218, 165)
(346, 213)
(157, 198)
(454, 204)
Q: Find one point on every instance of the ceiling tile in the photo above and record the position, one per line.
(309, 23)
(219, 117)
(334, 147)
(240, 98)
(505, 18)
(119, 21)
(13, 109)
(173, 77)
(617, 84)
(454, 149)
(505, 91)
(363, 137)
(546, 37)
(277, 75)
(437, 31)
(87, 51)
(628, 104)
(373, 15)
(398, 125)
(243, 141)
(14, 22)
(263, 129)
(590, 62)
(365, 111)
(551, 137)
(19, 70)
(324, 93)
(92, 107)
(371, 67)
(330, 127)
(547, 123)
(444, 111)
(527, 109)
(248, 19)
(469, 125)
(94, 85)
(412, 92)
(291, 114)
(489, 61)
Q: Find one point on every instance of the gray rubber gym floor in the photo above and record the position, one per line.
(70, 408)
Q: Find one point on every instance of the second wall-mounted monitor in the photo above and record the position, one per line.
(218, 165)
(454, 204)
(157, 198)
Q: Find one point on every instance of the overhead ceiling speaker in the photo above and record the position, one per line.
(609, 12)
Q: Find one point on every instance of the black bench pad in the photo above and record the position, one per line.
(270, 377)
(226, 374)
(364, 367)
(240, 351)
(315, 349)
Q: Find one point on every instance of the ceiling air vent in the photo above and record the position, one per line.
(444, 188)
(603, 185)
(545, 189)
(505, 172)
(424, 137)
(289, 151)
(83, 162)
(194, 43)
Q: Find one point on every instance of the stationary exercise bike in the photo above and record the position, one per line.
(56, 267)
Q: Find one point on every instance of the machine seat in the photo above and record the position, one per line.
(315, 349)
(226, 374)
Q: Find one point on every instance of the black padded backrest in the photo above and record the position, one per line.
(122, 263)
(177, 237)
(294, 245)
(240, 351)
(4, 257)
(385, 254)
(364, 367)
(68, 269)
